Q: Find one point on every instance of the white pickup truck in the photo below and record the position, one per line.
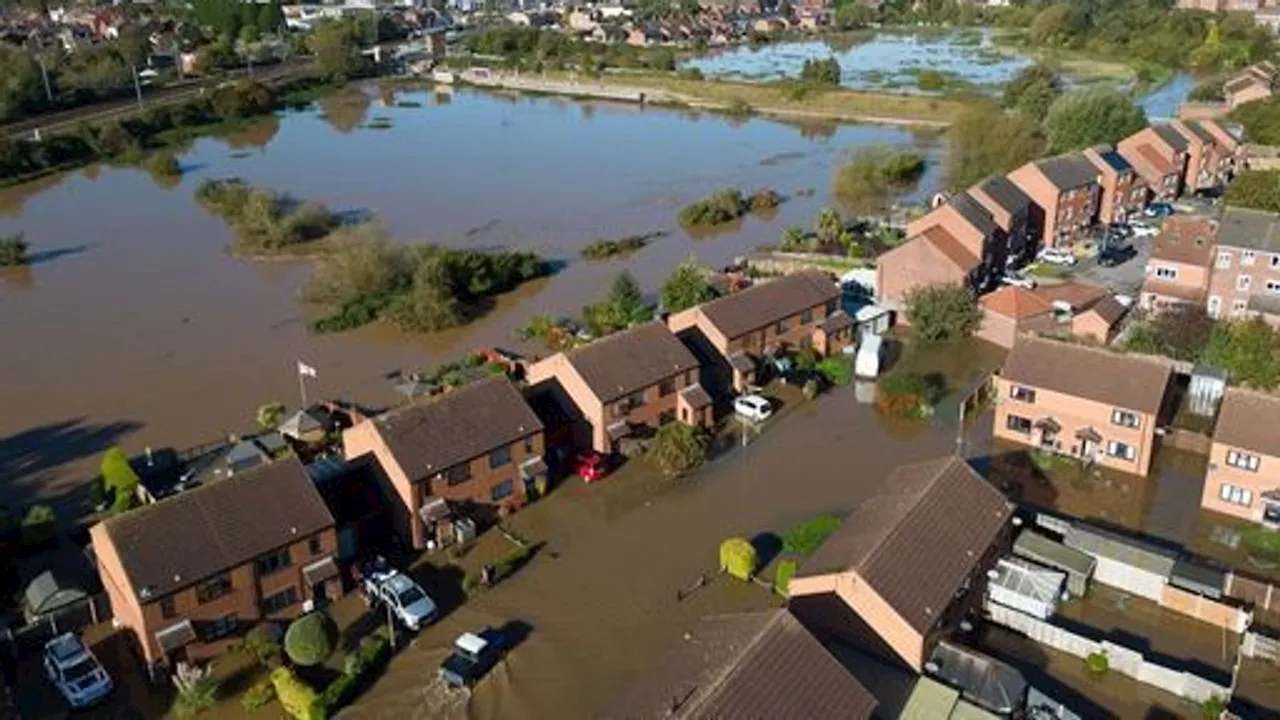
(405, 598)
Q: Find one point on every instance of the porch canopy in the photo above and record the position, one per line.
(1048, 424)
(1088, 434)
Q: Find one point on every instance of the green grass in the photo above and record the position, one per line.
(1261, 544)
(809, 535)
(1050, 462)
(1048, 271)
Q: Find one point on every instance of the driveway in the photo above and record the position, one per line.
(1123, 279)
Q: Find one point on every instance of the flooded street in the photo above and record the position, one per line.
(134, 325)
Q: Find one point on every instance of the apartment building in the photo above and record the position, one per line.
(1021, 220)
(1244, 454)
(733, 335)
(626, 383)
(190, 574)
(1081, 401)
(1124, 194)
(1159, 155)
(1068, 190)
(480, 445)
(1207, 162)
(1182, 258)
(1245, 280)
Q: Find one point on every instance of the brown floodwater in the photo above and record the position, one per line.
(133, 325)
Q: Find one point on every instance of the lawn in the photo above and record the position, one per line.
(1261, 544)
(1042, 270)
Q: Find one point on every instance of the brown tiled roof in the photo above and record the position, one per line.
(837, 321)
(622, 363)
(1076, 294)
(199, 533)
(696, 396)
(1156, 159)
(1248, 421)
(1186, 239)
(1171, 137)
(1109, 309)
(1015, 302)
(952, 249)
(753, 665)
(766, 303)
(432, 435)
(1125, 381)
(1177, 291)
(919, 538)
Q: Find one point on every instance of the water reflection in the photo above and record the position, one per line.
(19, 278)
(346, 110)
(256, 135)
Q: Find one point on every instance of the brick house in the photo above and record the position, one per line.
(1244, 454)
(1245, 280)
(731, 336)
(1081, 401)
(190, 574)
(1012, 310)
(1159, 155)
(1207, 162)
(966, 219)
(1181, 261)
(1124, 194)
(1228, 139)
(902, 571)
(933, 257)
(621, 384)
(479, 446)
(1021, 220)
(1100, 322)
(1252, 83)
(1067, 188)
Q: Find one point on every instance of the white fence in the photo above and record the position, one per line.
(1120, 659)
(1257, 645)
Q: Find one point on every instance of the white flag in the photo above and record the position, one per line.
(306, 370)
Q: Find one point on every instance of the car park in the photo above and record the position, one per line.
(753, 408)
(591, 466)
(404, 598)
(75, 671)
(1116, 254)
(1057, 256)
(473, 656)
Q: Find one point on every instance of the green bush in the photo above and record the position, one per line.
(809, 535)
(358, 669)
(13, 250)
(296, 697)
(718, 209)
(1097, 663)
(837, 369)
(310, 639)
(738, 558)
(821, 72)
(931, 80)
(38, 526)
(677, 448)
(259, 695)
(782, 576)
(260, 644)
(120, 478)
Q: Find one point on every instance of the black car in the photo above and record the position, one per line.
(1114, 255)
(473, 656)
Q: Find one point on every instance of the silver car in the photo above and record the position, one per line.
(77, 673)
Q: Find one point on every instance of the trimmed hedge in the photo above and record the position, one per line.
(359, 668)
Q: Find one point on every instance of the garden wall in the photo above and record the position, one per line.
(1263, 647)
(1205, 609)
(1259, 594)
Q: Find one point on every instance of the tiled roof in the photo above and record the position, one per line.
(1005, 193)
(199, 533)
(1015, 302)
(1109, 309)
(1171, 137)
(1124, 381)
(1156, 159)
(1248, 420)
(1265, 304)
(754, 665)
(951, 249)
(919, 539)
(1068, 171)
(433, 435)
(1177, 291)
(1077, 295)
(625, 362)
(1186, 239)
(1201, 134)
(1251, 229)
(975, 214)
(764, 304)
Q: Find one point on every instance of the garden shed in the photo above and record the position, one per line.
(1026, 586)
(1126, 563)
(1046, 551)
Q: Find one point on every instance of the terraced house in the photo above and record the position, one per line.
(480, 446)
(1178, 271)
(1085, 402)
(627, 384)
(1159, 155)
(188, 575)
(1124, 194)
(958, 242)
(1246, 273)
(732, 336)
(1243, 477)
(1019, 218)
(1068, 190)
(1208, 162)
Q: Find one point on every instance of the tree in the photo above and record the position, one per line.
(1256, 189)
(821, 72)
(296, 697)
(828, 228)
(677, 448)
(943, 313)
(119, 477)
(621, 308)
(1181, 332)
(931, 80)
(1260, 120)
(1032, 91)
(685, 287)
(21, 89)
(852, 16)
(270, 16)
(310, 639)
(245, 98)
(270, 415)
(986, 141)
(13, 250)
(133, 45)
(337, 50)
(873, 173)
(1253, 355)
(1092, 116)
(738, 558)
(1051, 25)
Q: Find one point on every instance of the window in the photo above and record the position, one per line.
(806, 317)
(167, 609)
(221, 627)
(274, 562)
(1224, 260)
(780, 328)
(502, 490)
(280, 601)
(458, 473)
(1246, 257)
(1121, 450)
(1124, 418)
(1273, 287)
(636, 400)
(1238, 306)
(666, 387)
(1165, 273)
(213, 588)
(1244, 461)
(1022, 394)
(1215, 306)
(1235, 495)
(1242, 282)
(528, 445)
(315, 545)
(1018, 424)
(1275, 261)
(499, 457)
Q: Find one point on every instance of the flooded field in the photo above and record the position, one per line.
(134, 325)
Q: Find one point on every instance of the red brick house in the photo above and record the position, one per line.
(1124, 194)
(1159, 155)
(1068, 190)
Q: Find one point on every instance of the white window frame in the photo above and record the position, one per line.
(1247, 257)
(1275, 261)
(1238, 306)
(1125, 418)
(1273, 287)
(1215, 306)
(1124, 451)
(1235, 495)
(1243, 282)
(1224, 260)
(1243, 460)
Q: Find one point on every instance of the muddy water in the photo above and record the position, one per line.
(134, 325)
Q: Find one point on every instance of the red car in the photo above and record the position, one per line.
(591, 466)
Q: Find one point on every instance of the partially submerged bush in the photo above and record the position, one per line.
(738, 558)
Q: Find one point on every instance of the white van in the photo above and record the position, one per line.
(866, 363)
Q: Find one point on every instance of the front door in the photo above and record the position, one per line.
(320, 594)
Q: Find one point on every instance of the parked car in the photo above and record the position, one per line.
(753, 407)
(1117, 254)
(473, 656)
(1158, 209)
(75, 671)
(1056, 256)
(407, 600)
(1143, 231)
(1018, 279)
(591, 466)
